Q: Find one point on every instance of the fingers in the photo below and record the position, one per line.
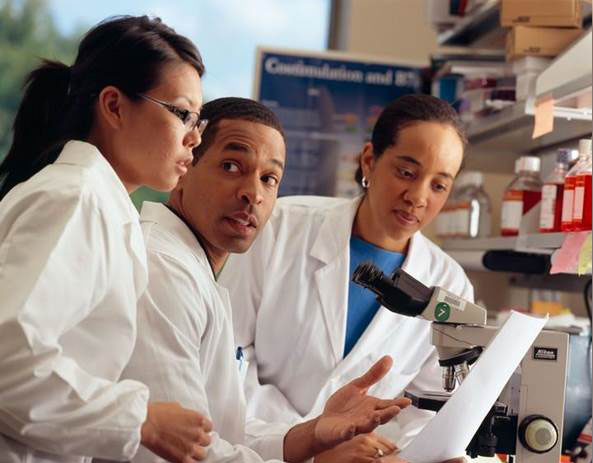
(456, 460)
(374, 374)
(202, 438)
(386, 414)
(376, 418)
(401, 402)
(393, 458)
(199, 452)
(385, 444)
(204, 423)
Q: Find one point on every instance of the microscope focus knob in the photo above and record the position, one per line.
(538, 433)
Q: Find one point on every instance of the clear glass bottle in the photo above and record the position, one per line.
(524, 192)
(553, 192)
(474, 207)
(581, 212)
(443, 219)
(446, 220)
(457, 209)
(569, 186)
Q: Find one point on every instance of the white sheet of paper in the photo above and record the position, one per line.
(448, 434)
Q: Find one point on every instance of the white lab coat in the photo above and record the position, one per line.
(72, 266)
(185, 351)
(289, 294)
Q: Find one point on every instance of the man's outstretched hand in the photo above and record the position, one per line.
(351, 411)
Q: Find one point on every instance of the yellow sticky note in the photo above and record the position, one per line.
(544, 118)
(585, 257)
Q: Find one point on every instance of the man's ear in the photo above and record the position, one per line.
(111, 106)
(367, 159)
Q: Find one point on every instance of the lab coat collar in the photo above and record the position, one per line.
(417, 253)
(338, 225)
(83, 154)
(161, 214)
(331, 246)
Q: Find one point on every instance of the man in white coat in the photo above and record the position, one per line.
(185, 350)
(301, 324)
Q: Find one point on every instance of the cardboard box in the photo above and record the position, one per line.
(538, 13)
(538, 41)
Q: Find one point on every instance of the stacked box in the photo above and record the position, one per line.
(539, 41)
(541, 13)
(540, 27)
(539, 30)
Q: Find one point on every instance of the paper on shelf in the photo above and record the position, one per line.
(448, 434)
(566, 258)
(544, 118)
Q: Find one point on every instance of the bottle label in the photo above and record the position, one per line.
(579, 201)
(567, 206)
(546, 220)
(512, 210)
(511, 215)
(441, 223)
(462, 219)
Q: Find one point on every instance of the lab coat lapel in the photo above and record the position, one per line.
(331, 248)
(385, 322)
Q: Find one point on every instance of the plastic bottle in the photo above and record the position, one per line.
(442, 222)
(553, 192)
(581, 212)
(524, 192)
(569, 186)
(457, 208)
(446, 220)
(474, 207)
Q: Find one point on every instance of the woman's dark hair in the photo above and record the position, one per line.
(405, 111)
(127, 52)
(233, 108)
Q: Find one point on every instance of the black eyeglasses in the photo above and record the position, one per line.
(190, 119)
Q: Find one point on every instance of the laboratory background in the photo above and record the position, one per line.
(518, 72)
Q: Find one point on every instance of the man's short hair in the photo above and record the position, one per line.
(231, 108)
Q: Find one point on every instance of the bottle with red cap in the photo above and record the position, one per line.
(553, 191)
(569, 186)
(524, 192)
(581, 211)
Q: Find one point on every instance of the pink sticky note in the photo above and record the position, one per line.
(566, 259)
(544, 118)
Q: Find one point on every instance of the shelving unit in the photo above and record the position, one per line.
(539, 243)
(478, 30)
(512, 127)
(470, 252)
(568, 81)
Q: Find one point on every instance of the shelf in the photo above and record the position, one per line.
(569, 73)
(511, 130)
(568, 81)
(480, 29)
(539, 243)
(531, 253)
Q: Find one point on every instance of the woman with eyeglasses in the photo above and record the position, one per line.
(72, 257)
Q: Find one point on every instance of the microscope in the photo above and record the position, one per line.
(527, 419)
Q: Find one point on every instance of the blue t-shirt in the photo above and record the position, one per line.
(362, 305)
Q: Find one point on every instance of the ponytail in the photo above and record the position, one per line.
(37, 138)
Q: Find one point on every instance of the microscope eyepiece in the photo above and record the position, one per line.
(401, 293)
